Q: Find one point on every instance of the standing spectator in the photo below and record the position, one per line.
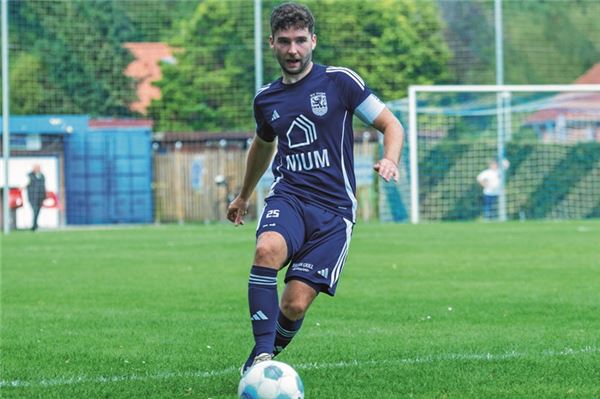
(36, 192)
(490, 180)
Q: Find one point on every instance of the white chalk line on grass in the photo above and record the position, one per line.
(306, 366)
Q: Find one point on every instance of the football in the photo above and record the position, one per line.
(271, 380)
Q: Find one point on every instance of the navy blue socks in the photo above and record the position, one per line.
(264, 307)
(285, 331)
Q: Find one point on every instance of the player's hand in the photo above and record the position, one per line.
(237, 210)
(387, 169)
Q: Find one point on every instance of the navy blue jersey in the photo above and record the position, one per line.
(312, 121)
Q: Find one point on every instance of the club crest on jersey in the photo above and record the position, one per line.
(318, 103)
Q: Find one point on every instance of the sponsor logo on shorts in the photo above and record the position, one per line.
(302, 267)
(323, 272)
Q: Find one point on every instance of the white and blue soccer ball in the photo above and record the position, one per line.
(271, 380)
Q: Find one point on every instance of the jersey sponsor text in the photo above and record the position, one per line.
(307, 160)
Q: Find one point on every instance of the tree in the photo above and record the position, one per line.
(77, 51)
(154, 20)
(553, 41)
(28, 90)
(391, 43)
(211, 85)
(544, 41)
(469, 32)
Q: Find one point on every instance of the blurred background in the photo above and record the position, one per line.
(140, 111)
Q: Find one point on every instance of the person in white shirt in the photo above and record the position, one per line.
(490, 180)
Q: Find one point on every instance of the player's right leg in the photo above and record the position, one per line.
(279, 232)
(271, 253)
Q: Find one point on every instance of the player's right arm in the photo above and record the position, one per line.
(257, 162)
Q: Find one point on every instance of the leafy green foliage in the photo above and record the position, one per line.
(78, 53)
(436, 163)
(155, 20)
(68, 56)
(469, 32)
(211, 85)
(390, 43)
(29, 89)
(556, 185)
(545, 41)
(538, 198)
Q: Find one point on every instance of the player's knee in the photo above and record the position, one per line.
(264, 254)
(294, 308)
(271, 251)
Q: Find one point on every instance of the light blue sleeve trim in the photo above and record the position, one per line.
(369, 109)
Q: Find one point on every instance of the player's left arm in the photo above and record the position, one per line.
(368, 108)
(393, 139)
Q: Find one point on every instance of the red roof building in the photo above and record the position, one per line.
(570, 117)
(145, 69)
(592, 76)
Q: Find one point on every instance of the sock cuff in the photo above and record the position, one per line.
(264, 277)
(288, 325)
(263, 271)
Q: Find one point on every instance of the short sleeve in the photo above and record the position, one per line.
(263, 128)
(351, 87)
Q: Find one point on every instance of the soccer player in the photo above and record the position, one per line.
(310, 212)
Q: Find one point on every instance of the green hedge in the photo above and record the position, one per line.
(466, 204)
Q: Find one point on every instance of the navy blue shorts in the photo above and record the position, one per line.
(317, 240)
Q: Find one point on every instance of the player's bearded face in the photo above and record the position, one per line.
(293, 49)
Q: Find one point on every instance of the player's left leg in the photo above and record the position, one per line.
(315, 268)
(297, 298)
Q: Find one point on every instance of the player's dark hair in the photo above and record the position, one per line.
(292, 15)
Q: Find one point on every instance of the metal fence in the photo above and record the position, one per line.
(189, 66)
(195, 181)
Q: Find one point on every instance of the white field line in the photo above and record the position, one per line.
(306, 366)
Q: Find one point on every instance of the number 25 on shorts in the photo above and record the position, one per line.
(273, 213)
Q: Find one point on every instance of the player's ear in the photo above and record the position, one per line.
(314, 41)
(271, 41)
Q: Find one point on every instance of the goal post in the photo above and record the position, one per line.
(552, 133)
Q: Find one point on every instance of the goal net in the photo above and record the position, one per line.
(544, 141)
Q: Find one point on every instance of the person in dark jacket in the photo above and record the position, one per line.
(36, 192)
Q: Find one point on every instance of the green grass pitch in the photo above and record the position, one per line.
(458, 310)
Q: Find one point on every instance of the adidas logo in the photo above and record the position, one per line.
(323, 272)
(259, 316)
(275, 116)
